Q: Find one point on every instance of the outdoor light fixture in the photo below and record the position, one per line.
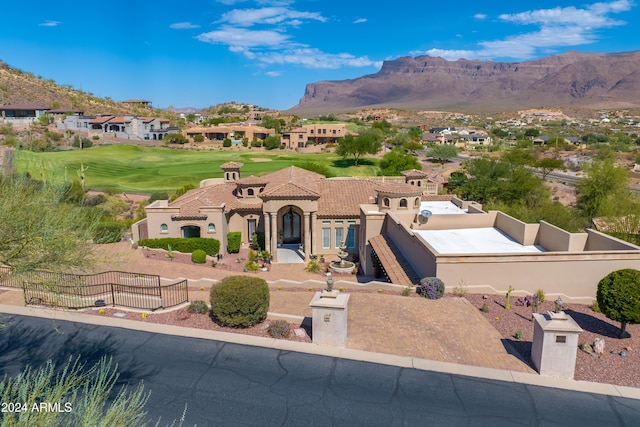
(559, 303)
(329, 282)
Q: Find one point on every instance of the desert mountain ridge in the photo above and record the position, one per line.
(572, 79)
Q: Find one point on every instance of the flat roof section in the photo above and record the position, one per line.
(441, 208)
(487, 240)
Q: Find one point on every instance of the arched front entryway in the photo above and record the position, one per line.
(291, 227)
(190, 231)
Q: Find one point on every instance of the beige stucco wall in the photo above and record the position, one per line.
(555, 239)
(521, 232)
(574, 277)
(598, 241)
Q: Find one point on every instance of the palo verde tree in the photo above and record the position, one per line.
(442, 153)
(602, 188)
(368, 142)
(619, 298)
(396, 161)
(40, 229)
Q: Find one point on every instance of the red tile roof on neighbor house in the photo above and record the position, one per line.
(414, 173)
(101, 120)
(231, 165)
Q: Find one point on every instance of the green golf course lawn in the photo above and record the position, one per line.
(138, 169)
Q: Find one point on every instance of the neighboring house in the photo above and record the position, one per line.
(233, 132)
(127, 127)
(295, 138)
(142, 102)
(21, 114)
(325, 133)
(397, 231)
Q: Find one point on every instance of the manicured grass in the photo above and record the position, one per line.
(133, 168)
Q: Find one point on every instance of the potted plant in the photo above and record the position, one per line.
(280, 237)
(321, 258)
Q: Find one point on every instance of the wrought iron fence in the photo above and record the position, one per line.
(109, 288)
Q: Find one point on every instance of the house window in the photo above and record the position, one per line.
(561, 339)
(250, 192)
(339, 232)
(164, 228)
(211, 228)
(417, 202)
(403, 203)
(252, 228)
(385, 201)
(351, 238)
(339, 222)
(326, 238)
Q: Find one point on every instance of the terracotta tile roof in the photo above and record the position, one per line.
(231, 165)
(192, 201)
(342, 198)
(296, 130)
(400, 189)
(414, 173)
(310, 180)
(289, 190)
(253, 180)
(102, 119)
(436, 197)
(395, 265)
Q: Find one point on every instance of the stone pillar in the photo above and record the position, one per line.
(307, 236)
(267, 233)
(274, 235)
(329, 318)
(555, 344)
(314, 220)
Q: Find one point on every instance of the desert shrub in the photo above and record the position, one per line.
(279, 329)
(198, 307)
(541, 295)
(485, 308)
(595, 307)
(314, 266)
(108, 232)
(240, 301)
(251, 266)
(257, 143)
(431, 288)
(226, 143)
(234, 239)
(199, 256)
(210, 246)
(407, 291)
(198, 138)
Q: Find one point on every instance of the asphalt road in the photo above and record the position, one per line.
(234, 385)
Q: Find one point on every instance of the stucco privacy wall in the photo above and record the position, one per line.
(574, 275)
(521, 232)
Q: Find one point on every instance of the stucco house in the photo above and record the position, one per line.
(21, 114)
(398, 227)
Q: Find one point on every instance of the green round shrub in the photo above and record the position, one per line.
(240, 301)
(618, 297)
(199, 256)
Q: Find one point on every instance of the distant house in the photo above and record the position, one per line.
(316, 134)
(142, 102)
(233, 132)
(124, 127)
(22, 114)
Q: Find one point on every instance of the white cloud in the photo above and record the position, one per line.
(241, 38)
(480, 16)
(314, 58)
(272, 44)
(557, 27)
(273, 73)
(360, 21)
(183, 26)
(50, 24)
(268, 15)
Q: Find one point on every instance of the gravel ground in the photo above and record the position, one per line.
(612, 368)
(182, 317)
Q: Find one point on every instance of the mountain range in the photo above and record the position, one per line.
(584, 80)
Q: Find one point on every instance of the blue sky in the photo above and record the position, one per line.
(201, 53)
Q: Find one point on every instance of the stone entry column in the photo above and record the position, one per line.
(314, 218)
(274, 236)
(267, 233)
(307, 236)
